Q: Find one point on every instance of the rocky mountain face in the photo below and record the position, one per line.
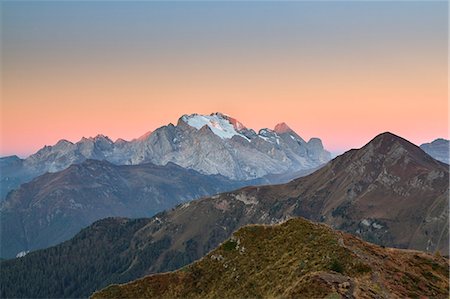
(438, 149)
(55, 206)
(210, 144)
(52, 159)
(389, 192)
(218, 144)
(296, 259)
(12, 174)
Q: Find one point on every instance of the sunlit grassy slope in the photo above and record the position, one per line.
(296, 259)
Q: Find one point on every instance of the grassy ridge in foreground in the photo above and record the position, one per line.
(296, 258)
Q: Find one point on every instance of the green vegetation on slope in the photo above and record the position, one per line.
(96, 257)
(297, 258)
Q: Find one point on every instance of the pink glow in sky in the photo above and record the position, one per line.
(343, 72)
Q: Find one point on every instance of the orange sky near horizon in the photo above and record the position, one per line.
(345, 97)
(356, 105)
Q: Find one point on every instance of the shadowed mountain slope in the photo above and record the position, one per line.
(54, 207)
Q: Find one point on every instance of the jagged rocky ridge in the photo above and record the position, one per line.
(210, 144)
(296, 259)
(389, 192)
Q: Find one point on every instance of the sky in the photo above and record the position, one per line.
(341, 71)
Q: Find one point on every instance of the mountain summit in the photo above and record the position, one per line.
(282, 128)
(220, 124)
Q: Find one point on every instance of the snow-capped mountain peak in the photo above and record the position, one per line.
(236, 124)
(220, 124)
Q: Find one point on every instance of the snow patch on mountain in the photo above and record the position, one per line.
(218, 123)
(22, 254)
(269, 136)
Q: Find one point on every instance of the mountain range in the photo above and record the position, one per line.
(389, 192)
(438, 149)
(210, 144)
(296, 259)
(55, 206)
